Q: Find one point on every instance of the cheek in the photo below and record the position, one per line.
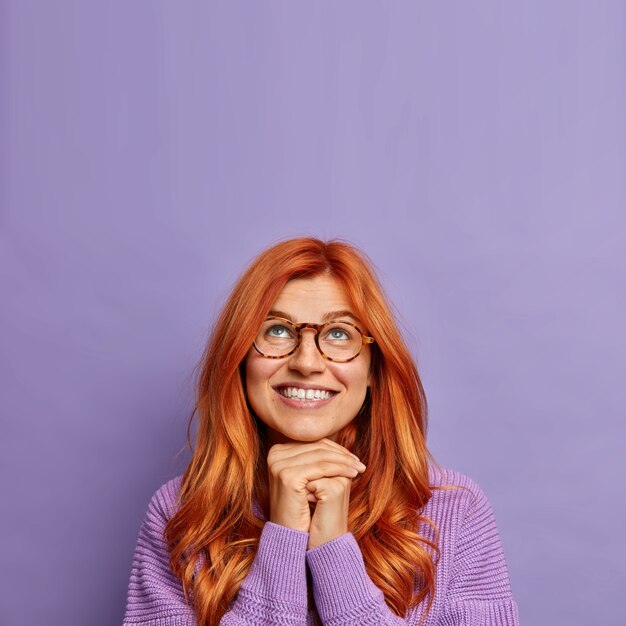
(253, 378)
(258, 373)
(356, 379)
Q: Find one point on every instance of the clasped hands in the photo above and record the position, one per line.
(306, 475)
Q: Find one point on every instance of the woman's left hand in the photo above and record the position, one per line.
(332, 500)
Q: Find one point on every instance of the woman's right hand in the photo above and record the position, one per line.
(292, 465)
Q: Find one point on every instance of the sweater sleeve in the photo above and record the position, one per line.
(274, 591)
(479, 593)
(344, 593)
(155, 595)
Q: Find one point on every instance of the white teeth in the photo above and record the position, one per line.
(305, 394)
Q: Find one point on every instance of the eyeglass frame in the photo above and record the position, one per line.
(365, 339)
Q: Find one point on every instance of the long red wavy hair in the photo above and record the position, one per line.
(214, 535)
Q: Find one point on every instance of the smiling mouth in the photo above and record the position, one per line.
(305, 395)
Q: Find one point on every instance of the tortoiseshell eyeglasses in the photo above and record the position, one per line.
(337, 340)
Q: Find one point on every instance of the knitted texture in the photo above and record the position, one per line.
(472, 585)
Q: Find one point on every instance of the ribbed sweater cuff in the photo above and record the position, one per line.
(278, 572)
(492, 613)
(340, 581)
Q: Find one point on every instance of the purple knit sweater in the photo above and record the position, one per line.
(472, 581)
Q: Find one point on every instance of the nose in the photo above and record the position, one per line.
(307, 359)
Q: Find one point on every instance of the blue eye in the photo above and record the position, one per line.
(278, 331)
(337, 334)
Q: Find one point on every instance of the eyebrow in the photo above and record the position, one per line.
(331, 315)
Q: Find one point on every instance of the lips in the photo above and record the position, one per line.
(304, 386)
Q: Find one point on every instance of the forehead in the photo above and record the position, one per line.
(309, 299)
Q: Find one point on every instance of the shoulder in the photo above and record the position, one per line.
(165, 500)
(461, 510)
(454, 494)
(447, 477)
(476, 570)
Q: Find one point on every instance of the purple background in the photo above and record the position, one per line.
(475, 150)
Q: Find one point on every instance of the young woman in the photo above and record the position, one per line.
(311, 496)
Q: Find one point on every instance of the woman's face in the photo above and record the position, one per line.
(316, 300)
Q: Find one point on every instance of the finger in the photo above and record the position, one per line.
(324, 488)
(316, 457)
(334, 444)
(311, 453)
(298, 476)
(315, 485)
(289, 450)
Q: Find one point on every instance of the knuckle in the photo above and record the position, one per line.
(336, 489)
(274, 450)
(275, 469)
(284, 475)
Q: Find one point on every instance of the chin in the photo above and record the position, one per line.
(301, 436)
